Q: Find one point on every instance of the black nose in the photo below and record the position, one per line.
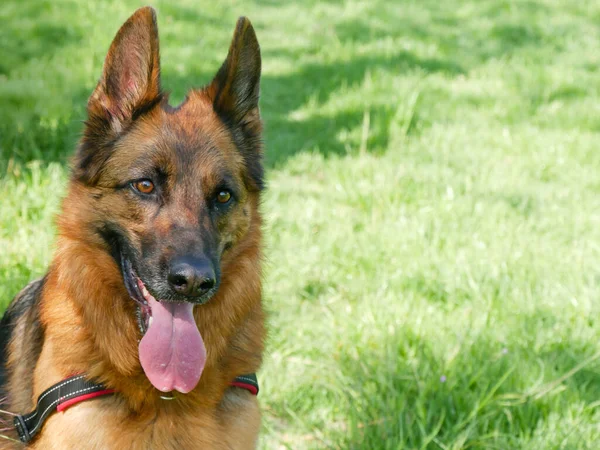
(191, 277)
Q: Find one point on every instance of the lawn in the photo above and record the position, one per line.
(433, 212)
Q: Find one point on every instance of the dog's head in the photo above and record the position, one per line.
(174, 190)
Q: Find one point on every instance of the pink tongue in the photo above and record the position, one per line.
(172, 351)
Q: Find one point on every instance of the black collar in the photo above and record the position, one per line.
(77, 389)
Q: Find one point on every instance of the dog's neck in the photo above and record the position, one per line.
(90, 325)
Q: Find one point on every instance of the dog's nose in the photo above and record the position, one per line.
(191, 277)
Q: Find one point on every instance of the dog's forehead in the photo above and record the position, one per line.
(197, 136)
(188, 139)
(194, 123)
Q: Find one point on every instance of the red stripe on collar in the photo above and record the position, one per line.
(62, 405)
(249, 387)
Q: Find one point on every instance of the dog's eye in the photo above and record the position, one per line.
(223, 196)
(143, 186)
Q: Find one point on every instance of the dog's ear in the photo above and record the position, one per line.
(235, 89)
(130, 80)
(129, 86)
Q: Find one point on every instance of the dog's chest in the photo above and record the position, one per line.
(90, 427)
(98, 425)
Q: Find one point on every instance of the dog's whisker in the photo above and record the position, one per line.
(8, 438)
(3, 411)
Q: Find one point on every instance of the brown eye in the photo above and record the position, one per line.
(223, 196)
(143, 186)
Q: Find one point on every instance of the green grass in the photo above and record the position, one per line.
(433, 213)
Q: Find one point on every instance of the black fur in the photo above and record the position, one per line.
(249, 144)
(26, 302)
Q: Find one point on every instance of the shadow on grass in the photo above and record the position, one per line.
(33, 139)
(463, 45)
(34, 33)
(484, 391)
(318, 83)
(281, 96)
(404, 394)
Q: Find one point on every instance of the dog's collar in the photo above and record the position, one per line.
(77, 389)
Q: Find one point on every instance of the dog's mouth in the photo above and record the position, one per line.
(139, 294)
(171, 351)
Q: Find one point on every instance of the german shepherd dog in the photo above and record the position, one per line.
(154, 290)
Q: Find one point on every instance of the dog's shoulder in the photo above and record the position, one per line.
(23, 311)
(23, 301)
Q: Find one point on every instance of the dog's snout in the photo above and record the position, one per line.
(191, 277)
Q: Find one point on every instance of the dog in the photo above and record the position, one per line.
(150, 312)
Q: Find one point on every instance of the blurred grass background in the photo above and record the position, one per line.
(433, 216)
